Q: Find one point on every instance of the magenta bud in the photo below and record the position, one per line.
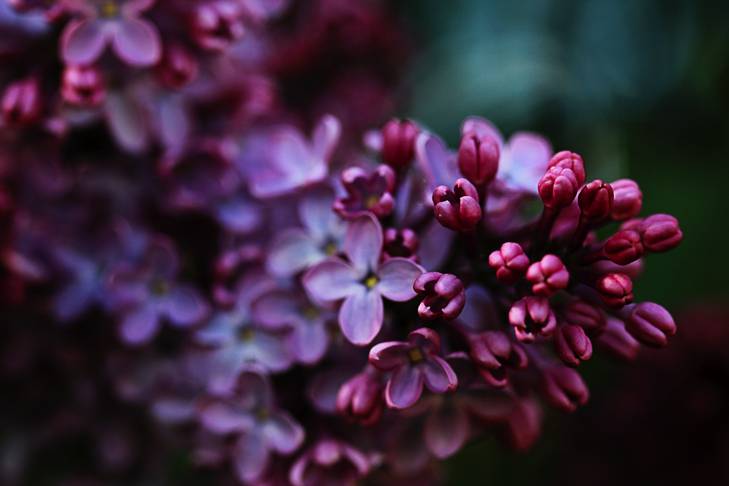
(650, 324)
(548, 276)
(457, 209)
(478, 158)
(400, 243)
(216, 24)
(366, 192)
(177, 67)
(572, 344)
(570, 160)
(532, 316)
(21, 103)
(509, 262)
(398, 142)
(360, 398)
(627, 200)
(83, 85)
(661, 232)
(581, 313)
(596, 201)
(564, 387)
(558, 187)
(616, 289)
(618, 341)
(444, 295)
(492, 352)
(624, 247)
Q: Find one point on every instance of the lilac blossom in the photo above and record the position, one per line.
(362, 281)
(329, 462)
(117, 22)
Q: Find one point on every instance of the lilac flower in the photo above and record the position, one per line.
(147, 293)
(238, 341)
(295, 249)
(362, 281)
(134, 40)
(413, 363)
(261, 428)
(366, 192)
(288, 161)
(329, 462)
(309, 335)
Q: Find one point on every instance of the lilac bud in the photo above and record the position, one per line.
(360, 398)
(492, 352)
(215, 25)
(548, 276)
(627, 200)
(618, 341)
(400, 243)
(444, 296)
(398, 142)
(532, 316)
(564, 387)
(661, 233)
(457, 209)
(558, 187)
(616, 289)
(570, 160)
(572, 344)
(509, 262)
(596, 201)
(83, 85)
(478, 158)
(580, 313)
(650, 324)
(21, 102)
(624, 247)
(177, 68)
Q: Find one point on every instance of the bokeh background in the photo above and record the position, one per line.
(640, 89)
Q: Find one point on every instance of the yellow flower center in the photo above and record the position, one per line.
(109, 8)
(371, 281)
(245, 334)
(415, 355)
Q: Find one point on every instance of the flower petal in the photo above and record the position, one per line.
(363, 242)
(404, 387)
(439, 376)
(331, 280)
(310, 341)
(436, 161)
(446, 430)
(83, 41)
(524, 160)
(277, 310)
(389, 355)
(360, 317)
(140, 325)
(137, 42)
(238, 215)
(317, 215)
(325, 137)
(250, 459)
(293, 251)
(222, 418)
(282, 433)
(185, 306)
(127, 122)
(397, 276)
(220, 330)
(268, 350)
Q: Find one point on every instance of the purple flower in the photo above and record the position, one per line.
(147, 293)
(294, 249)
(367, 192)
(362, 281)
(282, 160)
(413, 363)
(134, 40)
(329, 462)
(238, 340)
(261, 428)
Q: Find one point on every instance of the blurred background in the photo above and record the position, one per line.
(641, 90)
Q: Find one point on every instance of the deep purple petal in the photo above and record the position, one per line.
(446, 430)
(524, 160)
(282, 433)
(389, 355)
(332, 280)
(140, 325)
(74, 299)
(435, 244)
(222, 418)
(127, 122)
(397, 276)
(360, 317)
(250, 459)
(267, 349)
(404, 387)
(363, 242)
(439, 376)
(238, 215)
(185, 306)
(277, 310)
(137, 42)
(83, 41)
(310, 341)
(436, 161)
(293, 251)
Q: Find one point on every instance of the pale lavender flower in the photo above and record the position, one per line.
(362, 281)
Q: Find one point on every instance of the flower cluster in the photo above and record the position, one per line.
(288, 304)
